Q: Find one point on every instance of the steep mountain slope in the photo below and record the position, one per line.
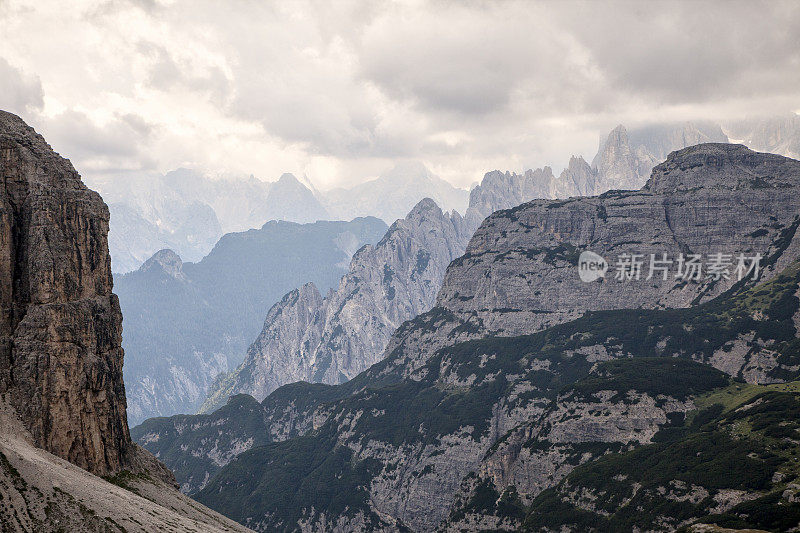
(484, 388)
(536, 454)
(62, 398)
(398, 454)
(42, 493)
(732, 465)
(329, 340)
(185, 323)
(392, 195)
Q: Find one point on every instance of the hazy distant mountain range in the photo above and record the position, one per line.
(392, 195)
(311, 336)
(185, 323)
(188, 212)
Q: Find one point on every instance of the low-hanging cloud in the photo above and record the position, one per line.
(19, 92)
(339, 90)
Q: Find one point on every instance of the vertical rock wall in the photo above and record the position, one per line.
(61, 325)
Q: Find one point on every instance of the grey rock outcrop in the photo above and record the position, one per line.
(192, 228)
(166, 261)
(519, 273)
(330, 340)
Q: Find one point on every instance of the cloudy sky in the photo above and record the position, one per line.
(340, 90)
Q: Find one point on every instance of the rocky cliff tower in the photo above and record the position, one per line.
(60, 324)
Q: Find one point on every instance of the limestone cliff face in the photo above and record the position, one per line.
(330, 340)
(623, 162)
(519, 273)
(60, 352)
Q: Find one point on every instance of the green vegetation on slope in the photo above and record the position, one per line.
(748, 450)
(458, 388)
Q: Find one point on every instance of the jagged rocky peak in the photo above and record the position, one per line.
(618, 164)
(332, 339)
(426, 208)
(722, 165)
(615, 143)
(577, 164)
(60, 343)
(167, 261)
(501, 190)
(623, 162)
(578, 179)
(287, 178)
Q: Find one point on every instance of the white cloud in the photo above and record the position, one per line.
(20, 92)
(339, 90)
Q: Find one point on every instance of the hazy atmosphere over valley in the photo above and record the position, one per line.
(401, 265)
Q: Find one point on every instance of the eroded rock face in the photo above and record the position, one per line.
(520, 274)
(623, 162)
(60, 343)
(330, 340)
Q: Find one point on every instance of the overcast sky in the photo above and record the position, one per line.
(340, 90)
